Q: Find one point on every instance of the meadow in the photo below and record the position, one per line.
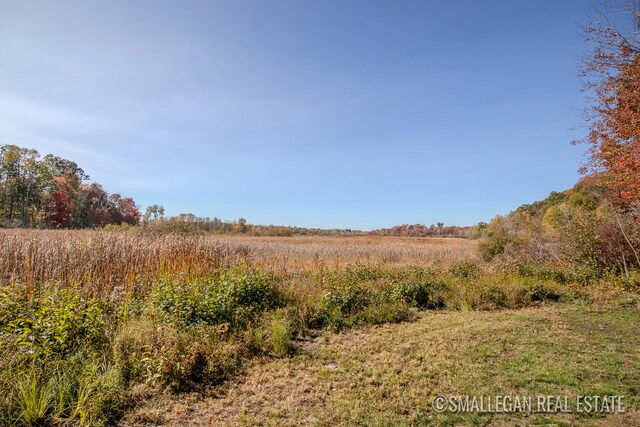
(107, 327)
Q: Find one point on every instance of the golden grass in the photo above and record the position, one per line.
(102, 260)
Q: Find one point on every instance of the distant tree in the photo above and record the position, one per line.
(240, 226)
(60, 210)
(153, 213)
(128, 212)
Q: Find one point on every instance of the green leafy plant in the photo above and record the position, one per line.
(57, 322)
(421, 294)
(231, 297)
(465, 270)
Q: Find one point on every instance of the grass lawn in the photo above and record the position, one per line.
(389, 375)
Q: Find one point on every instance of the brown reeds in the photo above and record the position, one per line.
(103, 260)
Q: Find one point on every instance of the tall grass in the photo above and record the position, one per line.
(86, 317)
(101, 261)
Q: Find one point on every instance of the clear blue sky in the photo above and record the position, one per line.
(354, 114)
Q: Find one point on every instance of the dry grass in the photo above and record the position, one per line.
(174, 333)
(305, 252)
(397, 369)
(101, 260)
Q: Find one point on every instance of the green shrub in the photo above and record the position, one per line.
(57, 322)
(362, 273)
(422, 295)
(252, 290)
(191, 304)
(587, 274)
(495, 239)
(544, 272)
(254, 339)
(465, 270)
(556, 274)
(175, 358)
(519, 269)
(347, 303)
(540, 292)
(493, 297)
(346, 298)
(232, 297)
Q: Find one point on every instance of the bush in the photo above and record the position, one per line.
(493, 297)
(254, 340)
(346, 298)
(57, 322)
(422, 295)
(465, 270)
(252, 291)
(587, 274)
(178, 359)
(519, 269)
(232, 297)
(556, 274)
(362, 273)
(540, 292)
(543, 272)
(374, 296)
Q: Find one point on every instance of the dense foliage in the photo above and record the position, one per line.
(580, 227)
(49, 192)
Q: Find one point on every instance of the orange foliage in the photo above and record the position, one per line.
(614, 133)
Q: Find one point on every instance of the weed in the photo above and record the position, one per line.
(281, 333)
(34, 397)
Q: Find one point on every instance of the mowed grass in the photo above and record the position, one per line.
(388, 375)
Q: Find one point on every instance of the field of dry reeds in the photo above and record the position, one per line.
(89, 318)
(102, 260)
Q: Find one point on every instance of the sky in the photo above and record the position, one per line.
(333, 114)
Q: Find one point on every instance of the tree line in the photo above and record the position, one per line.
(154, 221)
(50, 192)
(421, 230)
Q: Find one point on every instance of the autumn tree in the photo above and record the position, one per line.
(50, 192)
(240, 226)
(612, 75)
